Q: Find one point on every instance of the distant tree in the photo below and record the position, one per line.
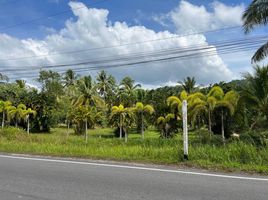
(256, 14)
(3, 78)
(86, 114)
(127, 92)
(175, 103)
(4, 106)
(255, 93)
(16, 113)
(26, 114)
(204, 103)
(51, 83)
(87, 93)
(105, 85)
(70, 78)
(164, 126)
(141, 110)
(21, 83)
(124, 116)
(188, 84)
(226, 102)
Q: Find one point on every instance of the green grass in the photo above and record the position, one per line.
(234, 156)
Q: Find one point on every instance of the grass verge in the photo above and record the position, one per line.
(234, 156)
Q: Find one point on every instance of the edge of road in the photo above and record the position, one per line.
(135, 166)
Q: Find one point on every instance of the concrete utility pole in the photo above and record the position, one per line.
(185, 130)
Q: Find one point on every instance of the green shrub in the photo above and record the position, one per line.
(256, 138)
(11, 133)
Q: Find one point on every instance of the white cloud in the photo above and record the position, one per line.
(188, 17)
(93, 29)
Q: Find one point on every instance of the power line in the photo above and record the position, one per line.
(208, 52)
(103, 60)
(77, 70)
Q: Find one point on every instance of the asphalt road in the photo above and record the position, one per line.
(47, 179)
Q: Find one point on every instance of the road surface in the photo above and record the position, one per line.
(29, 178)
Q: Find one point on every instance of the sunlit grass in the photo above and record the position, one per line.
(234, 156)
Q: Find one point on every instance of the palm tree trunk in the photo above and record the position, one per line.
(28, 125)
(209, 121)
(120, 128)
(86, 130)
(126, 135)
(3, 120)
(142, 126)
(68, 127)
(16, 123)
(222, 126)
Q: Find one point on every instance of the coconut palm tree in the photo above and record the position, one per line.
(141, 110)
(105, 84)
(27, 113)
(70, 78)
(4, 106)
(21, 83)
(127, 91)
(255, 15)
(255, 93)
(16, 113)
(163, 124)
(124, 115)
(188, 84)
(88, 94)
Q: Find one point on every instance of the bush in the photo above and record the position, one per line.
(256, 138)
(12, 133)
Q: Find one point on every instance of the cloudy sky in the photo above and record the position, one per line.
(55, 32)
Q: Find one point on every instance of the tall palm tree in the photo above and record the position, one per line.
(127, 91)
(26, 114)
(255, 93)
(225, 102)
(123, 114)
(70, 78)
(4, 106)
(188, 84)
(21, 83)
(105, 84)
(203, 103)
(88, 94)
(142, 110)
(87, 114)
(16, 113)
(255, 15)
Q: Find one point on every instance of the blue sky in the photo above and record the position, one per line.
(152, 18)
(133, 12)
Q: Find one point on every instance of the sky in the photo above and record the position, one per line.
(38, 33)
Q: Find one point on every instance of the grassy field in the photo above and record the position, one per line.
(234, 156)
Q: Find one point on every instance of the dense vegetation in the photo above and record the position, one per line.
(225, 119)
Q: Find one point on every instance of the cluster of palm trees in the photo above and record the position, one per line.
(16, 113)
(199, 105)
(124, 116)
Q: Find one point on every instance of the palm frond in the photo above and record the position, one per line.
(260, 54)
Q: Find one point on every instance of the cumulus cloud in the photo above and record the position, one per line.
(188, 17)
(92, 29)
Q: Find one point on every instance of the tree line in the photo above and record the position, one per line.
(83, 102)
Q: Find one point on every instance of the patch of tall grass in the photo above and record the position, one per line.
(235, 155)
